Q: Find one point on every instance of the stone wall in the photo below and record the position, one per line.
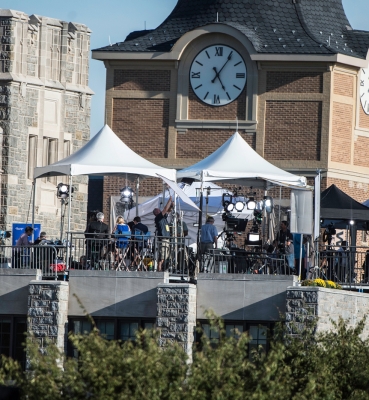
(176, 314)
(48, 312)
(324, 306)
(46, 98)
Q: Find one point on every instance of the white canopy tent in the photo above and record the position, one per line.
(237, 163)
(104, 154)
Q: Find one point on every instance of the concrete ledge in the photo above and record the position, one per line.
(247, 277)
(74, 273)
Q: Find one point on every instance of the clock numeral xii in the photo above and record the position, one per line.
(219, 51)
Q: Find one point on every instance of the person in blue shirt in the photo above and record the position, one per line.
(209, 236)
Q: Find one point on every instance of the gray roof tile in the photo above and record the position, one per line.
(272, 26)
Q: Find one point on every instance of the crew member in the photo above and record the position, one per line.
(209, 236)
(162, 231)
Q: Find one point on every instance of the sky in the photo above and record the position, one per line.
(117, 18)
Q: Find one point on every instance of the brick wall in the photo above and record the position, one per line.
(150, 80)
(199, 143)
(363, 118)
(142, 124)
(341, 132)
(361, 151)
(293, 130)
(343, 85)
(294, 82)
(199, 110)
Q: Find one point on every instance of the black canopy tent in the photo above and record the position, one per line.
(337, 206)
(338, 209)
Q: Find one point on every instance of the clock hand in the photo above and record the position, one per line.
(217, 76)
(228, 59)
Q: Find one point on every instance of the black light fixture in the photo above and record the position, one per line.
(126, 196)
(226, 199)
(268, 204)
(63, 190)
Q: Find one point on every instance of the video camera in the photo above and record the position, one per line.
(5, 234)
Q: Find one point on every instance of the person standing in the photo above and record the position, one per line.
(20, 249)
(209, 236)
(95, 232)
(163, 231)
(285, 244)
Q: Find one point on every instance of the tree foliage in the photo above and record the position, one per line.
(331, 365)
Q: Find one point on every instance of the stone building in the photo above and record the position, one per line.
(44, 114)
(296, 93)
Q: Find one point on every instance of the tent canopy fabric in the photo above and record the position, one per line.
(237, 163)
(104, 154)
(337, 205)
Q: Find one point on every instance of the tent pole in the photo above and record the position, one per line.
(69, 215)
(33, 209)
(200, 212)
(137, 189)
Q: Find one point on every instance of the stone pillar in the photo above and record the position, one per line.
(176, 314)
(48, 312)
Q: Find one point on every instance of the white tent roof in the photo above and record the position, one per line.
(236, 162)
(104, 154)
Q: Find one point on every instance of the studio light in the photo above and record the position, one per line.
(352, 222)
(251, 204)
(239, 206)
(230, 207)
(63, 191)
(253, 237)
(126, 195)
(268, 204)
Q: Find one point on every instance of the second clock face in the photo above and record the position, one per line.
(364, 89)
(218, 75)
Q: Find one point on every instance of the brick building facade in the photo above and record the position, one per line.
(300, 108)
(44, 114)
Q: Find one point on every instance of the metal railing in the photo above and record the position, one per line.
(46, 258)
(243, 262)
(130, 253)
(348, 266)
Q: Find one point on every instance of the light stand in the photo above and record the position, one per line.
(63, 192)
(126, 198)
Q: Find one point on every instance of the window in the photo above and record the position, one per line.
(106, 328)
(211, 333)
(12, 338)
(233, 330)
(110, 328)
(258, 335)
(82, 327)
(128, 330)
(5, 330)
(66, 150)
(32, 155)
(49, 155)
(20, 328)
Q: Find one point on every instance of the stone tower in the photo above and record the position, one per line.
(44, 113)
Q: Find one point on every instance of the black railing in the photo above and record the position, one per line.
(225, 261)
(130, 253)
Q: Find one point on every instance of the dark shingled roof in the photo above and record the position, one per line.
(272, 26)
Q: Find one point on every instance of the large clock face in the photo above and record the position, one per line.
(218, 75)
(364, 89)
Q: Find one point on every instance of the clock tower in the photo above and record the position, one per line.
(292, 76)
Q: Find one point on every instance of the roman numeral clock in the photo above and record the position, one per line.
(218, 75)
(364, 89)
